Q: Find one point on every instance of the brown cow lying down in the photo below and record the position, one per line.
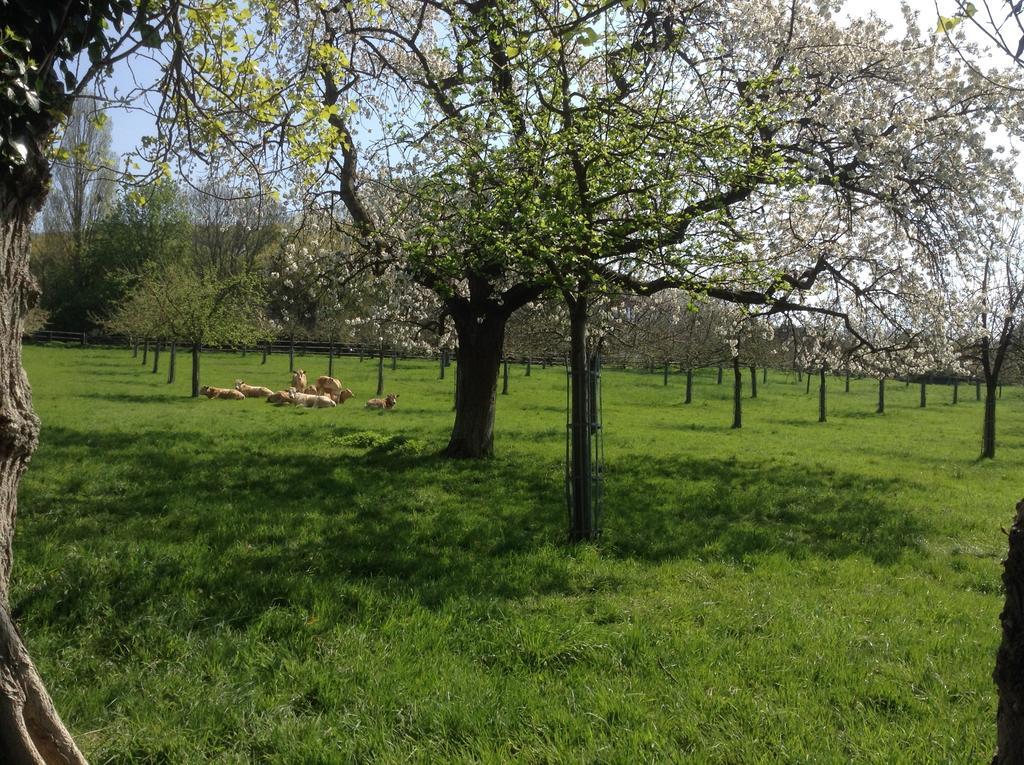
(299, 379)
(328, 386)
(344, 395)
(252, 391)
(229, 393)
(311, 401)
(388, 402)
(281, 397)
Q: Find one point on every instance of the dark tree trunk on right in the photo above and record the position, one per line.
(1009, 671)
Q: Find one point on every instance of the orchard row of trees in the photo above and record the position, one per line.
(468, 158)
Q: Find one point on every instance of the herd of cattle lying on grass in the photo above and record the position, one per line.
(327, 393)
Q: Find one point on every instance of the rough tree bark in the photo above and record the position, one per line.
(156, 357)
(924, 394)
(504, 377)
(1009, 671)
(753, 381)
(31, 731)
(476, 374)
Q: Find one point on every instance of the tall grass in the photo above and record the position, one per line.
(216, 581)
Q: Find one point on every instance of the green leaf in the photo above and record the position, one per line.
(970, 10)
(511, 51)
(151, 37)
(946, 23)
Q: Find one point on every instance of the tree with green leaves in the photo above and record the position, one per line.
(176, 302)
(82, 193)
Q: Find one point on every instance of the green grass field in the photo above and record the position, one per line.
(214, 581)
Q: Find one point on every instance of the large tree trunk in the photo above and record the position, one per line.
(476, 379)
(881, 396)
(30, 729)
(753, 381)
(170, 362)
(504, 377)
(156, 357)
(1009, 671)
(924, 394)
(689, 386)
(988, 430)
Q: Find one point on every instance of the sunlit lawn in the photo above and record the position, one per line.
(215, 581)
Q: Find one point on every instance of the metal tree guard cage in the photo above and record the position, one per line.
(587, 524)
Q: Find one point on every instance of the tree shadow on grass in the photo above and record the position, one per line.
(660, 508)
(243, 529)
